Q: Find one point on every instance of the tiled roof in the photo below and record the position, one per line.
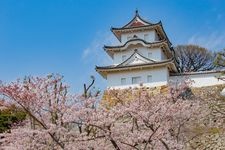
(136, 39)
(135, 52)
(111, 67)
(158, 27)
(137, 21)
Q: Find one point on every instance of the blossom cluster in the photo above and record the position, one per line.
(59, 120)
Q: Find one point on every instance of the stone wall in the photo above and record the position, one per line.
(209, 135)
(113, 96)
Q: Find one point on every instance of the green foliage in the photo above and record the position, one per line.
(10, 116)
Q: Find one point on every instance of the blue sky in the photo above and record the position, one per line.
(39, 37)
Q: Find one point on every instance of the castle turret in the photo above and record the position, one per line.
(145, 56)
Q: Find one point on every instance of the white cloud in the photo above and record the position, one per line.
(214, 41)
(94, 52)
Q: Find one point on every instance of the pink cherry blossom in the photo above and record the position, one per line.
(59, 120)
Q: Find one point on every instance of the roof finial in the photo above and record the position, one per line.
(136, 12)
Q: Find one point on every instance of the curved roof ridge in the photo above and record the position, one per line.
(136, 39)
(156, 63)
(121, 28)
(135, 52)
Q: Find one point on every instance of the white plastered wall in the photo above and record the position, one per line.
(152, 36)
(159, 78)
(200, 80)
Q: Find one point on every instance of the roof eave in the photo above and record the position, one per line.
(135, 66)
(134, 40)
(104, 75)
(163, 43)
(164, 33)
(116, 35)
(138, 27)
(110, 53)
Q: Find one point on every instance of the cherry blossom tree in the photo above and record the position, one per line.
(60, 120)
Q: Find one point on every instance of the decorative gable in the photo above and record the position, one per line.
(135, 59)
(137, 21)
(136, 24)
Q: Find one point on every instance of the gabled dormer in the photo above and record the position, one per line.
(136, 58)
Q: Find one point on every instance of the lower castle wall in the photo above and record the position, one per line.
(160, 77)
(200, 79)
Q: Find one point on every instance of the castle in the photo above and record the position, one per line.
(146, 57)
